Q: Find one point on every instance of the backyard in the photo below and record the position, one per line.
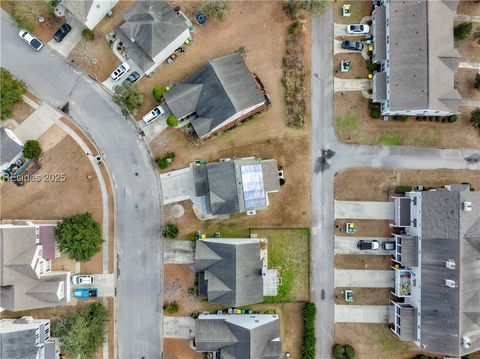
(353, 124)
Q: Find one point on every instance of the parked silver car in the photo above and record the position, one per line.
(121, 70)
(153, 115)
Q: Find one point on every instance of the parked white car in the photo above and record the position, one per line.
(153, 115)
(121, 70)
(31, 40)
(358, 29)
(83, 279)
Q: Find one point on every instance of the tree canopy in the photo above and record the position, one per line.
(475, 118)
(11, 91)
(128, 98)
(79, 236)
(32, 149)
(82, 332)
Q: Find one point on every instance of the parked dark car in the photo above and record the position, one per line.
(352, 45)
(365, 245)
(133, 77)
(62, 32)
(388, 245)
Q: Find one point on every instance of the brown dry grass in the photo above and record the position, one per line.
(179, 349)
(365, 228)
(469, 48)
(365, 296)
(464, 83)
(358, 69)
(468, 7)
(21, 111)
(359, 9)
(361, 261)
(360, 184)
(353, 124)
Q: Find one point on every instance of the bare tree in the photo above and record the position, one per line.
(172, 290)
(84, 53)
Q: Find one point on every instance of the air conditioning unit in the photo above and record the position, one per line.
(466, 342)
(450, 264)
(450, 283)
(467, 206)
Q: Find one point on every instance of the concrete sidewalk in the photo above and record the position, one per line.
(348, 245)
(470, 65)
(362, 313)
(363, 278)
(179, 252)
(179, 327)
(37, 123)
(364, 210)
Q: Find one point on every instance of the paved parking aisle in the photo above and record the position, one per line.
(364, 210)
(179, 252)
(179, 327)
(348, 245)
(363, 278)
(362, 313)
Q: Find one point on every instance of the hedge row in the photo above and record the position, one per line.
(309, 340)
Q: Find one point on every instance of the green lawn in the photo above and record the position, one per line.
(389, 140)
(289, 251)
(346, 125)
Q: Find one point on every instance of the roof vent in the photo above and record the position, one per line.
(466, 342)
(467, 206)
(450, 283)
(450, 264)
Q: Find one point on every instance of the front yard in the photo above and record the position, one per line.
(365, 296)
(359, 9)
(362, 261)
(353, 124)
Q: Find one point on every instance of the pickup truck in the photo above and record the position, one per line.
(85, 292)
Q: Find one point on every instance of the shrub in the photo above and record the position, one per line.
(341, 351)
(82, 331)
(403, 118)
(293, 27)
(309, 340)
(170, 231)
(403, 189)
(475, 118)
(12, 91)
(32, 149)
(164, 161)
(172, 308)
(172, 121)
(216, 8)
(477, 81)
(462, 30)
(88, 34)
(79, 236)
(452, 118)
(157, 93)
(375, 113)
(52, 4)
(128, 98)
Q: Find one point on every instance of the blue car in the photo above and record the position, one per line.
(85, 292)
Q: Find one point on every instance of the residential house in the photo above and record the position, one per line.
(437, 272)
(233, 271)
(151, 33)
(89, 12)
(27, 338)
(26, 278)
(239, 336)
(413, 44)
(11, 148)
(219, 95)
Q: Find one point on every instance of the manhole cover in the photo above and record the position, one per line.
(177, 211)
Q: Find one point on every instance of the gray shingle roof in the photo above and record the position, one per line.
(18, 344)
(9, 149)
(379, 33)
(380, 80)
(149, 27)
(223, 197)
(246, 336)
(79, 8)
(230, 270)
(217, 91)
(409, 251)
(408, 324)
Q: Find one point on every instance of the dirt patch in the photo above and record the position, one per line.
(365, 296)
(358, 9)
(464, 83)
(374, 341)
(99, 49)
(359, 184)
(63, 263)
(365, 228)
(179, 349)
(358, 69)
(468, 7)
(469, 48)
(361, 261)
(21, 111)
(353, 124)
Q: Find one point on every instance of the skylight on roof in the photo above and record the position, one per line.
(253, 187)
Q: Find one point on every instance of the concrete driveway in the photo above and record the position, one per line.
(71, 40)
(351, 84)
(105, 283)
(364, 210)
(37, 123)
(110, 84)
(348, 245)
(362, 313)
(179, 252)
(179, 327)
(177, 185)
(363, 278)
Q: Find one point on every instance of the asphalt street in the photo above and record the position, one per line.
(137, 189)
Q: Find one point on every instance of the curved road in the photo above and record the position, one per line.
(137, 190)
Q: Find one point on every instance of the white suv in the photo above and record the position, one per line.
(121, 70)
(83, 279)
(153, 115)
(31, 40)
